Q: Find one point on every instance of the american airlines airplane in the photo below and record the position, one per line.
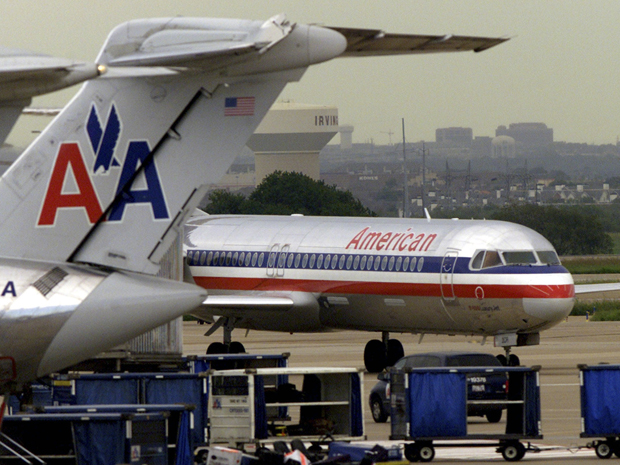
(91, 207)
(386, 275)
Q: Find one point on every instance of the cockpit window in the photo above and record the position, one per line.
(486, 259)
(548, 257)
(525, 257)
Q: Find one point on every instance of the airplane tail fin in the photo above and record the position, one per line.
(112, 179)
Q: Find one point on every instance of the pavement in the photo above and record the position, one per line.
(562, 348)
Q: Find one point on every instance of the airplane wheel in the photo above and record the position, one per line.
(217, 348)
(502, 359)
(395, 352)
(236, 348)
(375, 356)
(514, 361)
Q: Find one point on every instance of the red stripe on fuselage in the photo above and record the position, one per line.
(466, 291)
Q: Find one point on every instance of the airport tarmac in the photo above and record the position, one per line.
(576, 341)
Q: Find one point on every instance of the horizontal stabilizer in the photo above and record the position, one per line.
(374, 42)
(25, 74)
(206, 49)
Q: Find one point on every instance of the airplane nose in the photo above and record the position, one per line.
(549, 310)
(324, 44)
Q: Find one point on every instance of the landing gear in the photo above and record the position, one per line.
(381, 354)
(228, 346)
(510, 360)
(220, 348)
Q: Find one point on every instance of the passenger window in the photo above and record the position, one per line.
(356, 262)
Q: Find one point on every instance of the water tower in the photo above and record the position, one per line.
(290, 138)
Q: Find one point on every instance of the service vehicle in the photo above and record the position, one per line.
(483, 385)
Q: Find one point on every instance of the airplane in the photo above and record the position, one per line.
(93, 204)
(388, 275)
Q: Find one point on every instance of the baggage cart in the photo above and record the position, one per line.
(430, 404)
(88, 439)
(600, 409)
(320, 404)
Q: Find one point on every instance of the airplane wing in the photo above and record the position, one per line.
(374, 42)
(592, 288)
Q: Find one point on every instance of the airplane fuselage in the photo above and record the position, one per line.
(56, 314)
(380, 274)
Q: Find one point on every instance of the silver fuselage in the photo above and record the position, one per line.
(380, 274)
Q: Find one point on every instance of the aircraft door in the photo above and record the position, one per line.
(271, 260)
(446, 275)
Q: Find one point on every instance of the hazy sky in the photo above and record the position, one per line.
(561, 66)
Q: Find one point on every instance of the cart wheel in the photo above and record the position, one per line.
(412, 452)
(427, 453)
(513, 452)
(603, 450)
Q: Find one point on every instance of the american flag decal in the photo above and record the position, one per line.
(239, 106)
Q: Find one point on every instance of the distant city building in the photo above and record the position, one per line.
(290, 138)
(482, 146)
(528, 135)
(461, 137)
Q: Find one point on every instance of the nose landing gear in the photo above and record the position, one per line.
(509, 360)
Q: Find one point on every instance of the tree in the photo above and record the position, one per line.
(572, 231)
(284, 193)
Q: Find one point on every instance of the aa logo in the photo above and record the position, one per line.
(72, 185)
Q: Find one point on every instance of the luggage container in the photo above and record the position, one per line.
(430, 404)
(90, 439)
(320, 403)
(138, 388)
(600, 409)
